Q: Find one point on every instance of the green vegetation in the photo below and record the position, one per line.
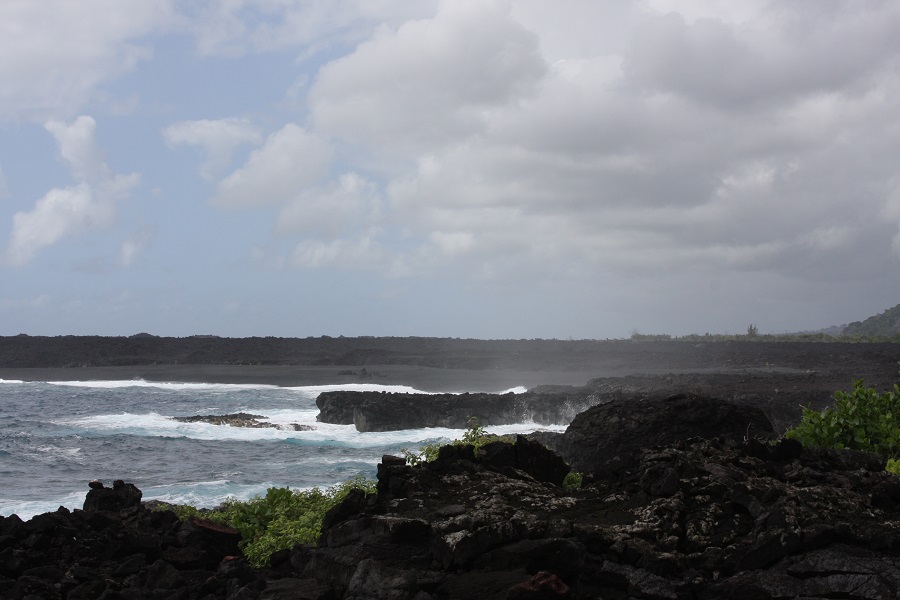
(281, 519)
(862, 419)
(885, 324)
(573, 481)
(474, 435)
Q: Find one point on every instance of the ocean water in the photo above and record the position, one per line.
(56, 437)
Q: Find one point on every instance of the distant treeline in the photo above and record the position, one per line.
(764, 337)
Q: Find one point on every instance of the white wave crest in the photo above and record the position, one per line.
(165, 385)
(2, 381)
(157, 425)
(29, 508)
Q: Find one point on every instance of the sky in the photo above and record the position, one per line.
(459, 168)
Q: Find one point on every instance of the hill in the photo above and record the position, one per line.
(886, 323)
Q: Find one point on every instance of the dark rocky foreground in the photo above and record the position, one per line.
(695, 509)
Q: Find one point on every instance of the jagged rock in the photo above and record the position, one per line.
(525, 455)
(242, 420)
(121, 496)
(380, 411)
(605, 439)
(707, 518)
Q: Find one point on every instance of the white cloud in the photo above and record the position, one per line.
(331, 211)
(4, 188)
(219, 138)
(79, 150)
(784, 51)
(64, 212)
(429, 81)
(55, 53)
(289, 162)
(135, 244)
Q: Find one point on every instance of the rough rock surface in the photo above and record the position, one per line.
(605, 440)
(698, 519)
(381, 411)
(119, 497)
(241, 420)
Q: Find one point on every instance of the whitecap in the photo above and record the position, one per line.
(515, 390)
(166, 385)
(2, 381)
(204, 494)
(29, 508)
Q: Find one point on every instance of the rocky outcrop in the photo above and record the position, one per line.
(698, 519)
(119, 497)
(242, 420)
(605, 440)
(380, 411)
(780, 395)
(124, 552)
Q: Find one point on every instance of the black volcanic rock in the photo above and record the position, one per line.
(121, 496)
(606, 439)
(380, 411)
(241, 420)
(697, 519)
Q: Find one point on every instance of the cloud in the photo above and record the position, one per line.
(88, 205)
(219, 138)
(54, 54)
(135, 244)
(701, 138)
(238, 27)
(330, 211)
(429, 81)
(787, 51)
(289, 162)
(4, 188)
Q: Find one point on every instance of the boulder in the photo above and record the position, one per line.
(605, 440)
(121, 496)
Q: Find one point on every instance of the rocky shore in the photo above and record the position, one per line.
(692, 496)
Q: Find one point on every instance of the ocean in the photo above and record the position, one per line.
(55, 437)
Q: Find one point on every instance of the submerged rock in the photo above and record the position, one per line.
(242, 420)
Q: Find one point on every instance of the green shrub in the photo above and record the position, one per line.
(573, 481)
(475, 434)
(861, 419)
(281, 519)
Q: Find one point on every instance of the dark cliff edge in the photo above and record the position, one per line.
(780, 396)
(380, 411)
(696, 509)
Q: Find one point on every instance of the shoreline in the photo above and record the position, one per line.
(426, 379)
